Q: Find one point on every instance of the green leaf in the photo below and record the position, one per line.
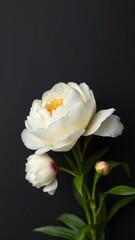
(57, 231)
(75, 152)
(78, 181)
(118, 205)
(100, 230)
(113, 164)
(87, 140)
(82, 232)
(79, 150)
(121, 190)
(93, 159)
(78, 197)
(101, 216)
(71, 163)
(72, 221)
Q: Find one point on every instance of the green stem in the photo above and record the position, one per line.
(100, 204)
(87, 192)
(94, 237)
(88, 216)
(86, 196)
(77, 160)
(67, 171)
(79, 152)
(87, 199)
(89, 207)
(96, 178)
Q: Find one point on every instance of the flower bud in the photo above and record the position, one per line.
(41, 171)
(102, 168)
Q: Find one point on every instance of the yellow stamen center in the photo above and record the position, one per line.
(53, 105)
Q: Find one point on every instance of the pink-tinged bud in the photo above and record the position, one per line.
(102, 168)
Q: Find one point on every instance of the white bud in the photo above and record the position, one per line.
(41, 171)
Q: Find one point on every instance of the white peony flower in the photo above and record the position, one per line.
(41, 171)
(65, 113)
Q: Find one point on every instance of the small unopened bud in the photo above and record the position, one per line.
(102, 168)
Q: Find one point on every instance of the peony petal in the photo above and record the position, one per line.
(34, 123)
(99, 117)
(43, 150)
(51, 188)
(60, 89)
(89, 95)
(44, 114)
(31, 141)
(65, 144)
(45, 135)
(86, 90)
(111, 127)
(71, 100)
(78, 89)
(30, 176)
(35, 105)
(79, 116)
(35, 115)
(61, 127)
(45, 94)
(58, 113)
(44, 177)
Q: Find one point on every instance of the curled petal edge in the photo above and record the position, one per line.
(111, 127)
(51, 188)
(97, 120)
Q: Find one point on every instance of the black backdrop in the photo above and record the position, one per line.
(43, 42)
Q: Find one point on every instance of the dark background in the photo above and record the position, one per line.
(43, 42)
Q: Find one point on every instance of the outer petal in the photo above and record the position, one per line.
(89, 95)
(80, 115)
(61, 127)
(58, 129)
(111, 127)
(34, 123)
(43, 150)
(95, 123)
(65, 144)
(46, 135)
(30, 176)
(31, 141)
(51, 188)
(78, 89)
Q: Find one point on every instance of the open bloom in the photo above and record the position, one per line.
(41, 171)
(64, 113)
